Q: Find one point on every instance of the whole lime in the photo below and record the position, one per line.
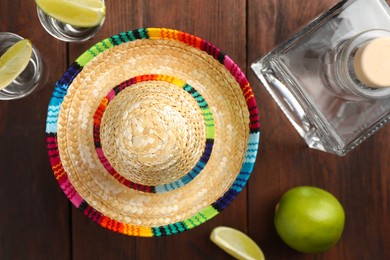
(309, 219)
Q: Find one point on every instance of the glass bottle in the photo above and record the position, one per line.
(314, 76)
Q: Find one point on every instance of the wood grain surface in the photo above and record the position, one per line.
(38, 222)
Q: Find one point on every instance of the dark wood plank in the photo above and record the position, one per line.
(90, 241)
(215, 24)
(360, 180)
(223, 24)
(34, 219)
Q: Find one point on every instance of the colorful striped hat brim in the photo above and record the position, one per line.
(152, 132)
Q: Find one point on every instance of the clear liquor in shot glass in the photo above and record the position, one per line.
(66, 32)
(30, 78)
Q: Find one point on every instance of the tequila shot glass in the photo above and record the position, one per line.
(66, 32)
(30, 78)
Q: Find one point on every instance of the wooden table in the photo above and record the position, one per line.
(38, 222)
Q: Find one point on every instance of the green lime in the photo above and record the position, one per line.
(14, 61)
(236, 243)
(309, 219)
(81, 13)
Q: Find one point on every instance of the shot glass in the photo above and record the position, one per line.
(30, 78)
(66, 32)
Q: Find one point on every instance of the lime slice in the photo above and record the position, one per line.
(80, 13)
(14, 61)
(236, 243)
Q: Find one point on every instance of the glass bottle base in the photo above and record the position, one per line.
(306, 117)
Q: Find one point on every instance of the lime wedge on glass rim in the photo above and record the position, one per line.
(80, 13)
(14, 61)
(236, 243)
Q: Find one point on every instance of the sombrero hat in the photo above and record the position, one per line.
(152, 132)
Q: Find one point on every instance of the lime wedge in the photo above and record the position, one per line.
(80, 13)
(236, 243)
(14, 61)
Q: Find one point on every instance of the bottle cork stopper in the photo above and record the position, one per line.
(372, 63)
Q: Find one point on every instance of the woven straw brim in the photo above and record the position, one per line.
(152, 132)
